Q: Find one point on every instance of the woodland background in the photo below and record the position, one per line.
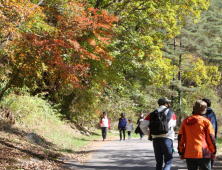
(64, 62)
(86, 57)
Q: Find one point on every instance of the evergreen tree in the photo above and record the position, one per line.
(202, 38)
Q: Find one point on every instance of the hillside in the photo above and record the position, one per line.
(56, 138)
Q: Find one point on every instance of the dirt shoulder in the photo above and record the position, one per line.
(16, 152)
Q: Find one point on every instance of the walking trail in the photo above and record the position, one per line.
(134, 154)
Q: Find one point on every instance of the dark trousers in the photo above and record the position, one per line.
(124, 133)
(163, 149)
(129, 134)
(104, 132)
(203, 163)
(141, 134)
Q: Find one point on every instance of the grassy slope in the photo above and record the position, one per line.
(35, 115)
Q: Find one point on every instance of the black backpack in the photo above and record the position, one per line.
(159, 122)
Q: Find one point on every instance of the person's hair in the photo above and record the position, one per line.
(207, 101)
(105, 113)
(123, 114)
(164, 103)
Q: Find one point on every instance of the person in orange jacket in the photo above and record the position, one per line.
(196, 139)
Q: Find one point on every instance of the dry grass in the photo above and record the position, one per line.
(17, 152)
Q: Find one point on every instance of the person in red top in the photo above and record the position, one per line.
(196, 139)
(105, 124)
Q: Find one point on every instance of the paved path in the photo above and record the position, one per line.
(134, 154)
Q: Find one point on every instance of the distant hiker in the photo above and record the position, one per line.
(129, 128)
(122, 126)
(105, 124)
(138, 130)
(161, 123)
(212, 116)
(196, 139)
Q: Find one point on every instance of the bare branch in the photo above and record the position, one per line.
(40, 2)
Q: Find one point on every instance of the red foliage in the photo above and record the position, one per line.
(80, 35)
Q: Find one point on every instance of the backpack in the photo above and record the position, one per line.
(159, 122)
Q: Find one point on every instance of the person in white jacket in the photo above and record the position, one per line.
(162, 143)
(105, 124)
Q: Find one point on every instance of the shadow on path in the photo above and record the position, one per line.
(127, 155)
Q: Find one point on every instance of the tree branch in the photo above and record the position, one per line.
(118, 11)
(8, 36)
(107, 5)
(40, 2)
(98, 3)
(5, 41)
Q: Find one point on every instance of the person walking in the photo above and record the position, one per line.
(212, 116)
(129, 128)
(138, 130)
(196, 139)
(122, 126)
(105, 124)
(162, 133)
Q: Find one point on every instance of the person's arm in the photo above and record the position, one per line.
(125, 123)
(181, 142)
(211, 140)
(144, 125)
(101, 122)
(214, 123)
(109, 123)
(138, 121)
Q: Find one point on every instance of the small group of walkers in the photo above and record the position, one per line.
(123, 126)
(196, 138)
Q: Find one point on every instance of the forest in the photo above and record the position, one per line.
(84, 57)
(64, 62)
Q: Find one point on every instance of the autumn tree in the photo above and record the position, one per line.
(140, 33)
(63, 47)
